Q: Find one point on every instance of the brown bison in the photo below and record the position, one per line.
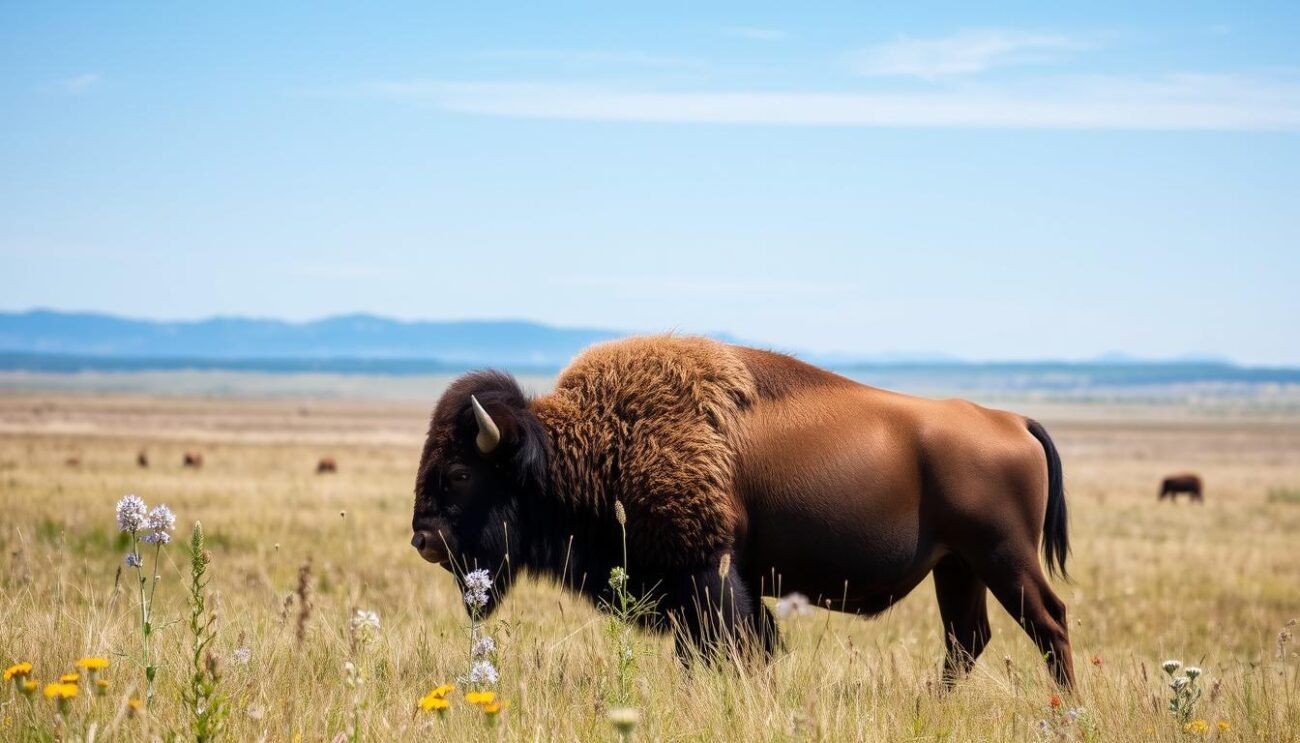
(744, 473)
(192, 459)
(325, 465)
(1187, 483)
(142, 459)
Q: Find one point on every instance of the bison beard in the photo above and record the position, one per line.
(672, 428)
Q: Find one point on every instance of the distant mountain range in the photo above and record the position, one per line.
(47, 340)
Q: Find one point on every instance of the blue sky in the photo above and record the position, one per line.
(1028, 181)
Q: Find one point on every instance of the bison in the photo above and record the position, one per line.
(326, 465)
(1187, 483)
(740, 473)
(192, 459)
(142, 459)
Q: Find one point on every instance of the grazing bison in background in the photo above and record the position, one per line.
(1187, 483)
(326, 465)
(192, 459)
(746, 473)
(142, 459)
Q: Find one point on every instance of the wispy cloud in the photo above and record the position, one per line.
(79, 83)
(963, 53)
(1173, 102)
(755, 33)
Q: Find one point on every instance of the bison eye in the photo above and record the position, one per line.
(458, 475)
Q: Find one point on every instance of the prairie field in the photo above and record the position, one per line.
(1213, 586)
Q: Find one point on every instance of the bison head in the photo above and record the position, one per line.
(484, 459)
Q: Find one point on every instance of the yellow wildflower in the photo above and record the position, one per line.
(101, 687)
(1200, 727)
(1223, 725)
(133, 705)
(18, 671)
(442, 691)
(60, 691)
(69, 678)
(29, 686)
(493, 708)
(431, 703)
(481, 697)
(92, 664)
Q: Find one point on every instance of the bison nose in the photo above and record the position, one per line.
(418, 541)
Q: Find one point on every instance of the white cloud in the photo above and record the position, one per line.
(963, 53)
(755, 33)
(1173, 102)
(79, 83)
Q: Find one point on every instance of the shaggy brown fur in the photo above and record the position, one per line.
(647, 421)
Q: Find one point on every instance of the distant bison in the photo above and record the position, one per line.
(1187, 483)
(72, 462)
(740, 473)
(142, 459)
(325, 465)
(192, 459)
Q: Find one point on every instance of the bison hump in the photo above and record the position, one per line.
(652, 422)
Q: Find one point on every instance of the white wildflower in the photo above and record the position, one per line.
(483, 673)
(131, 513)
(365, 625)
(793, 604)
(242, 656)
(477, 585)
(133, 560)
(484, 646)
(1192, 672)
(624, 719)
(1180, 682)
(1170, 666)
(156, 537)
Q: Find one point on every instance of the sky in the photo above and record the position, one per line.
(1015, 181)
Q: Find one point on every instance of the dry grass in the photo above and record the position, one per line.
(1211, 585)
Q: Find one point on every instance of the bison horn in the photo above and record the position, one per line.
(488, 433)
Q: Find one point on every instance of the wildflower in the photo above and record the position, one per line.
(1054, 701)
(1192, 672)
(1180, 682)
(1096, 660)
(481, 697)
(18, 671)
(131, 513)
(92, 663)
(793, 605)
(28, 687)
(69, 678)
(492, 709)
(618, 579)
(161, 518)
(484, 646)
(434, 704)
(242, 656)
(1223, 726)
(619, 514)
(1170, 666)
(156, 537)
(365, 625)
(62, 695)
(482, 673)
(624, 719)
(1199, 727)
(436, 699)
(477, 585)
(101, 687)
(133, 560)
(133, 706)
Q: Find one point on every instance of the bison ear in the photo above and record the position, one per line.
(489, 435)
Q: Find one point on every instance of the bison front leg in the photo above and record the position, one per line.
(714, 615)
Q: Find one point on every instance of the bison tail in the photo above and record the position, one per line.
(1056, 524)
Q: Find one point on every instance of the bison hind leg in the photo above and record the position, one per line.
(963, 607)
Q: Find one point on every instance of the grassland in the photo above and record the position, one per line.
(1212, 585)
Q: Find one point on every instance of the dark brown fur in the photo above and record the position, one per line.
(801, 479)
(326, 465)
(1185, 483)
(192, 459)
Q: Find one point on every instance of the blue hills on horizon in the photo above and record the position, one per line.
(54, 341)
